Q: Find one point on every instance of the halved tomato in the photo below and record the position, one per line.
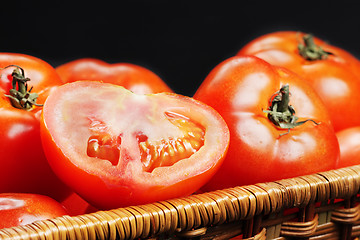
(117, 148)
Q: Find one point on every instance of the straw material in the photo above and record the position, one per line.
(317, 206)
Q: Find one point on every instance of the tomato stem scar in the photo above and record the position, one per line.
(20, 97)
(281, 113)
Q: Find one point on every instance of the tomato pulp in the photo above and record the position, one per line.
(117, 148)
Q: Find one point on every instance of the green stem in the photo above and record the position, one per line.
(281, 113)
(19, 95)
(310, 51)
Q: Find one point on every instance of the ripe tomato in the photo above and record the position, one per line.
(24, 167)
(331, 71)
(75, 205)
(18, 209)
(117, 148)
(245, 91)
(133, 77)
(349, 141)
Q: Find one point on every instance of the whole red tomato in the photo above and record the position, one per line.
(75, 205)
(18, 209)
(24, 167)
(349, 141)
(279, 127)
(331, 71)
(133, 77)
(117, 148)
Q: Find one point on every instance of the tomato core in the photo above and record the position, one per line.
(166, 152)
(104, 146)
(153, 153)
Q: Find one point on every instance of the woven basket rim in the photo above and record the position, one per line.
(199, 211)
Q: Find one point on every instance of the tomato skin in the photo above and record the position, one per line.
(107, 185)
(24, 167)
(17, 209)
(349, 141)
(133, 77)
(335, 79)
(239, 88)
(75, 205)
(42, 75)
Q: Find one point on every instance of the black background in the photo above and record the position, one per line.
(181, 41)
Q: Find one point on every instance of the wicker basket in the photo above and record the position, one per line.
(317, 206)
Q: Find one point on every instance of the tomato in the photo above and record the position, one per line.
(117, 148)
(331, 71)
(279, 127)
(24, 167)
(75, 205)
(133, 77)
(349, 141)
(18, 209)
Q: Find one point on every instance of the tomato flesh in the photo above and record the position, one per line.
(136, 146)
(159, 153)
(166, 152)
(104, 146)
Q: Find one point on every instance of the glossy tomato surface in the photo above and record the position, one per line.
(18, 209)
(241, 89)
(331, 71)
(24, 167)
(116, 148)
(349, 141)
(133, 77)
(75, 205)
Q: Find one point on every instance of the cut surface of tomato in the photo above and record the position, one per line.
(117, 148)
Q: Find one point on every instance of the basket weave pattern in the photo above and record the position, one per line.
(318, 206)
